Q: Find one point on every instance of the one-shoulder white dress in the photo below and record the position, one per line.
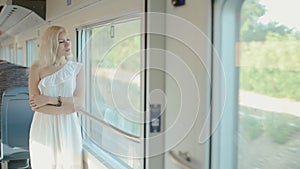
(55, 140)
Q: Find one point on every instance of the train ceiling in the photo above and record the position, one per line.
(18, 15)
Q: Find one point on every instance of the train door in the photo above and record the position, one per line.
(179, 50)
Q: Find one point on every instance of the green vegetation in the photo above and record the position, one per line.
(271, 82)
(269, 55)
(254, 30)
(279, 127)
(276, 126)
(271, 68)
(112, 50)
(282, 55)
(251, 127)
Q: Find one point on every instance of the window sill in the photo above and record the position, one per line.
(97, 158)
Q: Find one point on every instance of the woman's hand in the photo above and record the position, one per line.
(78, 108)
(37, 101)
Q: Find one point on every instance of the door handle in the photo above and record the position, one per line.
(183, 160)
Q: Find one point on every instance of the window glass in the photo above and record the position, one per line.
(1, 52)
(6, 53)
(19, 57)
(11, 53)
(31, 51)
(269, 93)
(112, 53)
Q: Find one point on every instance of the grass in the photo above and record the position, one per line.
(278, 127)
(272, 82)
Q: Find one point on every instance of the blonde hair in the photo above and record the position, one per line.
(49, 46)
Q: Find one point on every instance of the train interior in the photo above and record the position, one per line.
(175, 84)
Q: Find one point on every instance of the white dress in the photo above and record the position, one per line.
(55, 140)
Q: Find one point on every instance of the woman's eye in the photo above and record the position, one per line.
(63, 41)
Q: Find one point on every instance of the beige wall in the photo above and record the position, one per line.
(195, 13)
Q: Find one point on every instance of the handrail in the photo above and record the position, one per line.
(113, 128)
(179, 162)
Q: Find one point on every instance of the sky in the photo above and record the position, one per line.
(285, 12)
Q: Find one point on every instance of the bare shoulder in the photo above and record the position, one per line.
(34, 69)
(35, 66)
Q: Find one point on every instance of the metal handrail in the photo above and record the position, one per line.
(111, 127)
(179, 162)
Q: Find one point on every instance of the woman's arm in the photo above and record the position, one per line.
(79, 92)
(42, 100)
(33, 80)
(64, 109)
(46, 104)
(77, 99)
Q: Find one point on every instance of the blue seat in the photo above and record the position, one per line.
(16, 116)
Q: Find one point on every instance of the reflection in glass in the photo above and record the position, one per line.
(114, 56)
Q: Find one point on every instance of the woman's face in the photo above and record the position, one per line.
(64, 45)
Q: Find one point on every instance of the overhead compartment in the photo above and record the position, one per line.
(59, 8)
(17, 16)
(37, 6)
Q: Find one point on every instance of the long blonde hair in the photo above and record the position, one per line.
(49, 45)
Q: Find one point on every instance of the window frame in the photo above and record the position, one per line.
(225, 79)
(19, 56)
(11, 53)
(30, 50)
(91, 149)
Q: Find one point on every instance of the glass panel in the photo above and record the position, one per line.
(114, 59)
(31, 51)
(6, 53)
(269, 93)
(11, 53)
(1, 53)
(19, 56)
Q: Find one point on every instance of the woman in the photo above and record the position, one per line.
(56, 89)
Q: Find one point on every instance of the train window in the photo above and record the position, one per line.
(1, 52)
(31, 51)
(111, 53)
(11, 53)
(269, 79)
(19, 56)
(5, 53)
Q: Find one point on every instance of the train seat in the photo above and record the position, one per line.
(16, 116)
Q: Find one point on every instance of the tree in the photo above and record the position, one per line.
(254, 30)
(251, 29)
